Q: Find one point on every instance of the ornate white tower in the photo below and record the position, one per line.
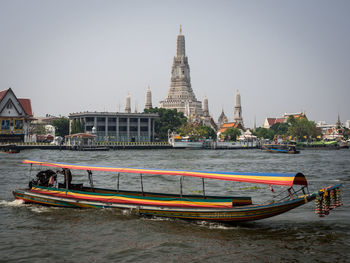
(205, 107)
(238, 109)
(148, 104)
(128, 104)
(180, 95)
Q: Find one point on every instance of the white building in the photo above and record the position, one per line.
(15, 117)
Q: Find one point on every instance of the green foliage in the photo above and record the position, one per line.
(39, 129)
(264, 133)
(196, 131)
(231, 134)
(207, 132)
(77, 127)
(280, 128)
(302, 129)
(346, 133)
(291, 120)
(168, 120)
(61, 126)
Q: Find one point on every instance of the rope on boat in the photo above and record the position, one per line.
(327, 200)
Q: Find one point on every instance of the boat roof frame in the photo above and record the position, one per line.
(283, 179)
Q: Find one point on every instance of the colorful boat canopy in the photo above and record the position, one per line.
(286, 179)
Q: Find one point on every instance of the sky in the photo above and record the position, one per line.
(282, 56)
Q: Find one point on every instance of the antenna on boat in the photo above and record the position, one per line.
(118, 182)
(30, 173)
(203, 188)
(181, 180)
(91, 180)
(142, 184)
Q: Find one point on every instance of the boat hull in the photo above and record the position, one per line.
(282, 151)
(239, 213)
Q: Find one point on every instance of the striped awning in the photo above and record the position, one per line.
(286, 179)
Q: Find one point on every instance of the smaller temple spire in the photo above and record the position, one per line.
(254, 123)
(180, 30)
(148, 104)
(222, 118)
(238, 109)
(205, 107)
(128, 104)
(338, 124)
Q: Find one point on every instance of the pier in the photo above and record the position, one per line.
(96, 147)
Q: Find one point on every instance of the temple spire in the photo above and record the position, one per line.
(180, 46)
(148, 98)
(180, 95)
(128, 104)
(338, 124)
(205, 107)
(238, 109)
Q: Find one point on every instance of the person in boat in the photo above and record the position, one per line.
(292, 149)
(44, 178)
(52, 180)
(67, 177)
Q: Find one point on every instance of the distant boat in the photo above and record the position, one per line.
(343, 145)
(280, 148)
(177, 141)
(10, 148)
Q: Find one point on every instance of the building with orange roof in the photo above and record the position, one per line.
(271, 121)
(15, 117)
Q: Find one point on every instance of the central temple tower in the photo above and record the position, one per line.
(180, 95)
(238, 109)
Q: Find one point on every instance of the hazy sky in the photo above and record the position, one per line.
(283, 56)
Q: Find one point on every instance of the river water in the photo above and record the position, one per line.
(32, 233)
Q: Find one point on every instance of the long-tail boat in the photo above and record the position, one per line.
(280, 148)
(47, 191)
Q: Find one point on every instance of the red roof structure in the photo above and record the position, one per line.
(2, 94)
(27, 106)
(25, 103)
(228, 125)
(273, 121)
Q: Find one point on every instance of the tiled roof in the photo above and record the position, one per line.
(25, 103)
(27, 106)
(272, 121)
(228, 125)
(3, 93)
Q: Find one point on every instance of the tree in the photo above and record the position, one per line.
(264, 133)
(39, 129)
(302, 129)
(61, 126)
(168, 120)
(346, 133)
(207, 132)
(77, 127)
(231, 134)
(196, 131)
(280, 128)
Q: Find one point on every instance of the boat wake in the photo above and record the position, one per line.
(40, 209)
(16, 202)
(215, 225)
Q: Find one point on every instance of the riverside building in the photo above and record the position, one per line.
(15, 117)
(117, 126)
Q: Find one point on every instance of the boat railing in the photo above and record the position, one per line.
(291, 193)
